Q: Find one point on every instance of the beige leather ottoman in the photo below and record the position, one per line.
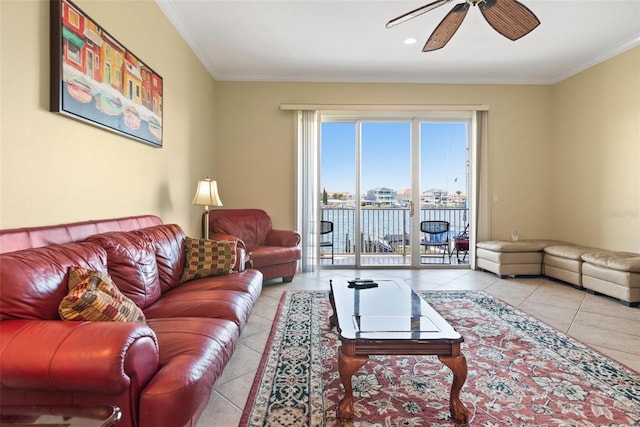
(564, 262)
(616, 274)
(512, 258)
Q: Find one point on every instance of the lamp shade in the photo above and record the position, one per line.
(207, 193)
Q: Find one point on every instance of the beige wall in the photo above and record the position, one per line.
(564, 159)
(596, 155)
(256, 143)
(55, 169)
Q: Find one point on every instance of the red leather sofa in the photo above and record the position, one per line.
(273, 252)
(160, 373)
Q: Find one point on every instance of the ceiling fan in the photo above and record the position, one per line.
(510, 18)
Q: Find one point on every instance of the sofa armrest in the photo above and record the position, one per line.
(223, 236)
(241, 250)
(54, 355)
(286, 238)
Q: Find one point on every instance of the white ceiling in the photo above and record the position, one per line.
(346, 41)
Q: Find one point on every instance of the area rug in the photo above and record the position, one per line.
(521, 372)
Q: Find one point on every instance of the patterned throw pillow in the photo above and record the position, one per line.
(207, 258)
(93, 296)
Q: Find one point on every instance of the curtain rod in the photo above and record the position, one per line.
(386, 107)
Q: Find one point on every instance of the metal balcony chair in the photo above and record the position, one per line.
(326, 227)
(461, 244)
(437, 236)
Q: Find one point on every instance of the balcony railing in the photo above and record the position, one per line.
(386, 230)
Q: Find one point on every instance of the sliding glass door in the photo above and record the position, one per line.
(380, 178)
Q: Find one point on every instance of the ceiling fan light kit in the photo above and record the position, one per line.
(510, 18)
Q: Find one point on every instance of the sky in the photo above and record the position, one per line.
(386, 156)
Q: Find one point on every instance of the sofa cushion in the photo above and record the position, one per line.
(193, 354)
(185, 302)
(499, 257)
(248, 281)
(93, 296)
(131, 260)
(34, 281)
(204, 258)
(568, 251)
(530, 245)
(168, 243)
(623, 261)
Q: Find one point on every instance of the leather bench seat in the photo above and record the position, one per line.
(564, 262)
(512, 258)
(616, 274)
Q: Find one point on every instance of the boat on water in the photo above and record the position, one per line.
(155, 128)
(80, 89)
(111, 105)
(131, 118)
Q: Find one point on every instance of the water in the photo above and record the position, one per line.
(385, 229)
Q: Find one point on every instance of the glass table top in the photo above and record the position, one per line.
(387, 309)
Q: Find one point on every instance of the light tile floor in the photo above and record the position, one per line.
(601, 322)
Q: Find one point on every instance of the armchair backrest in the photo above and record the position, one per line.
(251, 225)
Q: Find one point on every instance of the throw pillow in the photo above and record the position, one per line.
(93, 296)
(205, 258)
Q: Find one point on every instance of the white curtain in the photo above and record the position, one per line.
(307, 191)
(480, 226)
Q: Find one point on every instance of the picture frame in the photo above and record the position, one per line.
(97, 80)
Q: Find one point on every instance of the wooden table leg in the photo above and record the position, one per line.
(333, 319)
(347, 365)
(458, 364)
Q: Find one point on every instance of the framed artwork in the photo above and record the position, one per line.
(96, 79)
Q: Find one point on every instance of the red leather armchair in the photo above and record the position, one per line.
(275, 253)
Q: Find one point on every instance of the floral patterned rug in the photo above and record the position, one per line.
(521, 372)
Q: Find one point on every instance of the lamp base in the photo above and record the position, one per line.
(206, 224)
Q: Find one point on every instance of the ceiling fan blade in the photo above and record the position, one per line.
(416, 12)
(446, 28)
(510, 18)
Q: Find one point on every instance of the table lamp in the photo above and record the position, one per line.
(207, 195)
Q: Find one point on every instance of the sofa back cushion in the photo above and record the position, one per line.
(251, 225)
(34, 281)
(168, 243)
(131, 261)
(17, 239)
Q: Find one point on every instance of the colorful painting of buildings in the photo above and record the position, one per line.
(96, 67)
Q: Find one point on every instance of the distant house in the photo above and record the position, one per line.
(434, 196)
(458, 199)
(404, 197)
(381, 196)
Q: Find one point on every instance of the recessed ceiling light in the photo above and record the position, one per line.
(410, 40)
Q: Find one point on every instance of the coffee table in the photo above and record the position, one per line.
(392, 319)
